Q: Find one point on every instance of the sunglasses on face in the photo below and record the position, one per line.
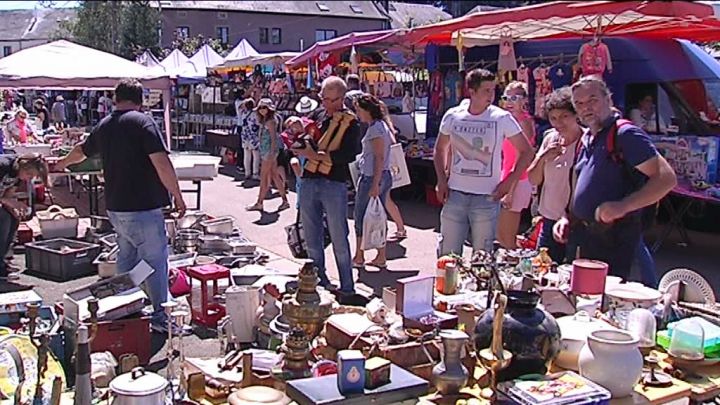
(513, 99)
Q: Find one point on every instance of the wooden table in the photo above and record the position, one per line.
(217, 138)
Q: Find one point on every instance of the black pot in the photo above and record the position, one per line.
(529, 333)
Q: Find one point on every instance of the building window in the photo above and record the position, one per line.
(223, 34)
(276, 37)
(7, 50)
(322, 6)
(222, 15)
(323, 35)
(264, 35)
(183, 32)
(356, 8)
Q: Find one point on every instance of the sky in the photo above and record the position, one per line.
(20, 5)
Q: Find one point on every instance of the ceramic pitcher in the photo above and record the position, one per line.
(612, 359)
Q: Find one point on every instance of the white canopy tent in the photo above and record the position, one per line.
(63, 65)
(195, 69)
(245, 55)
(174, 62)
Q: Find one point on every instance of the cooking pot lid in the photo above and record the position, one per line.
(138, 383)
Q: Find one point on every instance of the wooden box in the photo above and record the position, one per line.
(377, 372)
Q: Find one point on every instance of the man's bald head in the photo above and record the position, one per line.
(332, 93)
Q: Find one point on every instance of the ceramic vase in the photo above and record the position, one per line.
(449, 376)
(529, 333)
(611, 358)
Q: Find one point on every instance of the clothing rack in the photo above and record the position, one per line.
(489, 64)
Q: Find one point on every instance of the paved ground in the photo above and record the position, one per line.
(228, 196)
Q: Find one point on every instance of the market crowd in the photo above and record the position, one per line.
(597, 177)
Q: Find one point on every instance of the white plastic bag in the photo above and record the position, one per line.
(374, 225)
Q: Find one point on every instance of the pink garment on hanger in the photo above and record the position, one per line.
(523, 74)
(595, 59)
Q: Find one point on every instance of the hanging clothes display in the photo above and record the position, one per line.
(594, 58)
(436, 92)
(453, 88)
(560, 75)
(523, 74)
(543, 87)
(506, 57)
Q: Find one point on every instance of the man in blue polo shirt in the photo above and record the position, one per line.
(610, 189)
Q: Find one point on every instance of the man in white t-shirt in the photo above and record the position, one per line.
(471, 136)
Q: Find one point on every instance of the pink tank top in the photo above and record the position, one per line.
(594, 59)
(509, 156)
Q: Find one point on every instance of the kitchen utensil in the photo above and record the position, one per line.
(138, 387)
(218, 226)
(188, 240)
(204, 260)
(241, 246)
(170, 228)
(697, 289)
(190, 220)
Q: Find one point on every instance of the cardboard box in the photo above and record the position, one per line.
(118, 296)
(692, 157)
(351, 372)
(414, 302)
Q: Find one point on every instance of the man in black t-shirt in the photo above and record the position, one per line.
(139, 179)
(324, 188)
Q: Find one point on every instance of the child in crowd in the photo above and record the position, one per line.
(297, 128)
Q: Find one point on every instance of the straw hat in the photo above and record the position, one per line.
(306, 105)
(267, 103)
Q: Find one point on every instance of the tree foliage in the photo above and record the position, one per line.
(125, 28)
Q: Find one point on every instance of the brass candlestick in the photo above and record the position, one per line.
(296, 350)
(495, 358)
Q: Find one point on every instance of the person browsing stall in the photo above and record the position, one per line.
(610, 187)
(139, 180)
(374, 167)
(15, 170)
(324, 182)
(551, 168)
(471, 189)
(518, 198)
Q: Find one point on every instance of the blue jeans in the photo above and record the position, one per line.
(8, 227)
(329, 197)
(362, 197)
(647, 265)
(464, 211)
(556, 250)
(141, 236)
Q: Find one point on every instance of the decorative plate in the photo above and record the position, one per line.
(697, 288)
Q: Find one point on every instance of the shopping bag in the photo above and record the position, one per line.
(296, 238)
(398, 167)
(374, 225)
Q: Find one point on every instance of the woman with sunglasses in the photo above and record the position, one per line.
(515, 99)
(269, 150)
(375, 179)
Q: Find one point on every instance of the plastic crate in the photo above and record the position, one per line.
(50, 260)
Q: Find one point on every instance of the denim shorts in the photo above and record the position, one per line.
(362, 196)
(462, 212)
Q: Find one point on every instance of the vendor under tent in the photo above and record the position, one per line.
(63, 65)
(195, 69)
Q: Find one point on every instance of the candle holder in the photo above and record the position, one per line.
(41, 342)
(169, 307)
